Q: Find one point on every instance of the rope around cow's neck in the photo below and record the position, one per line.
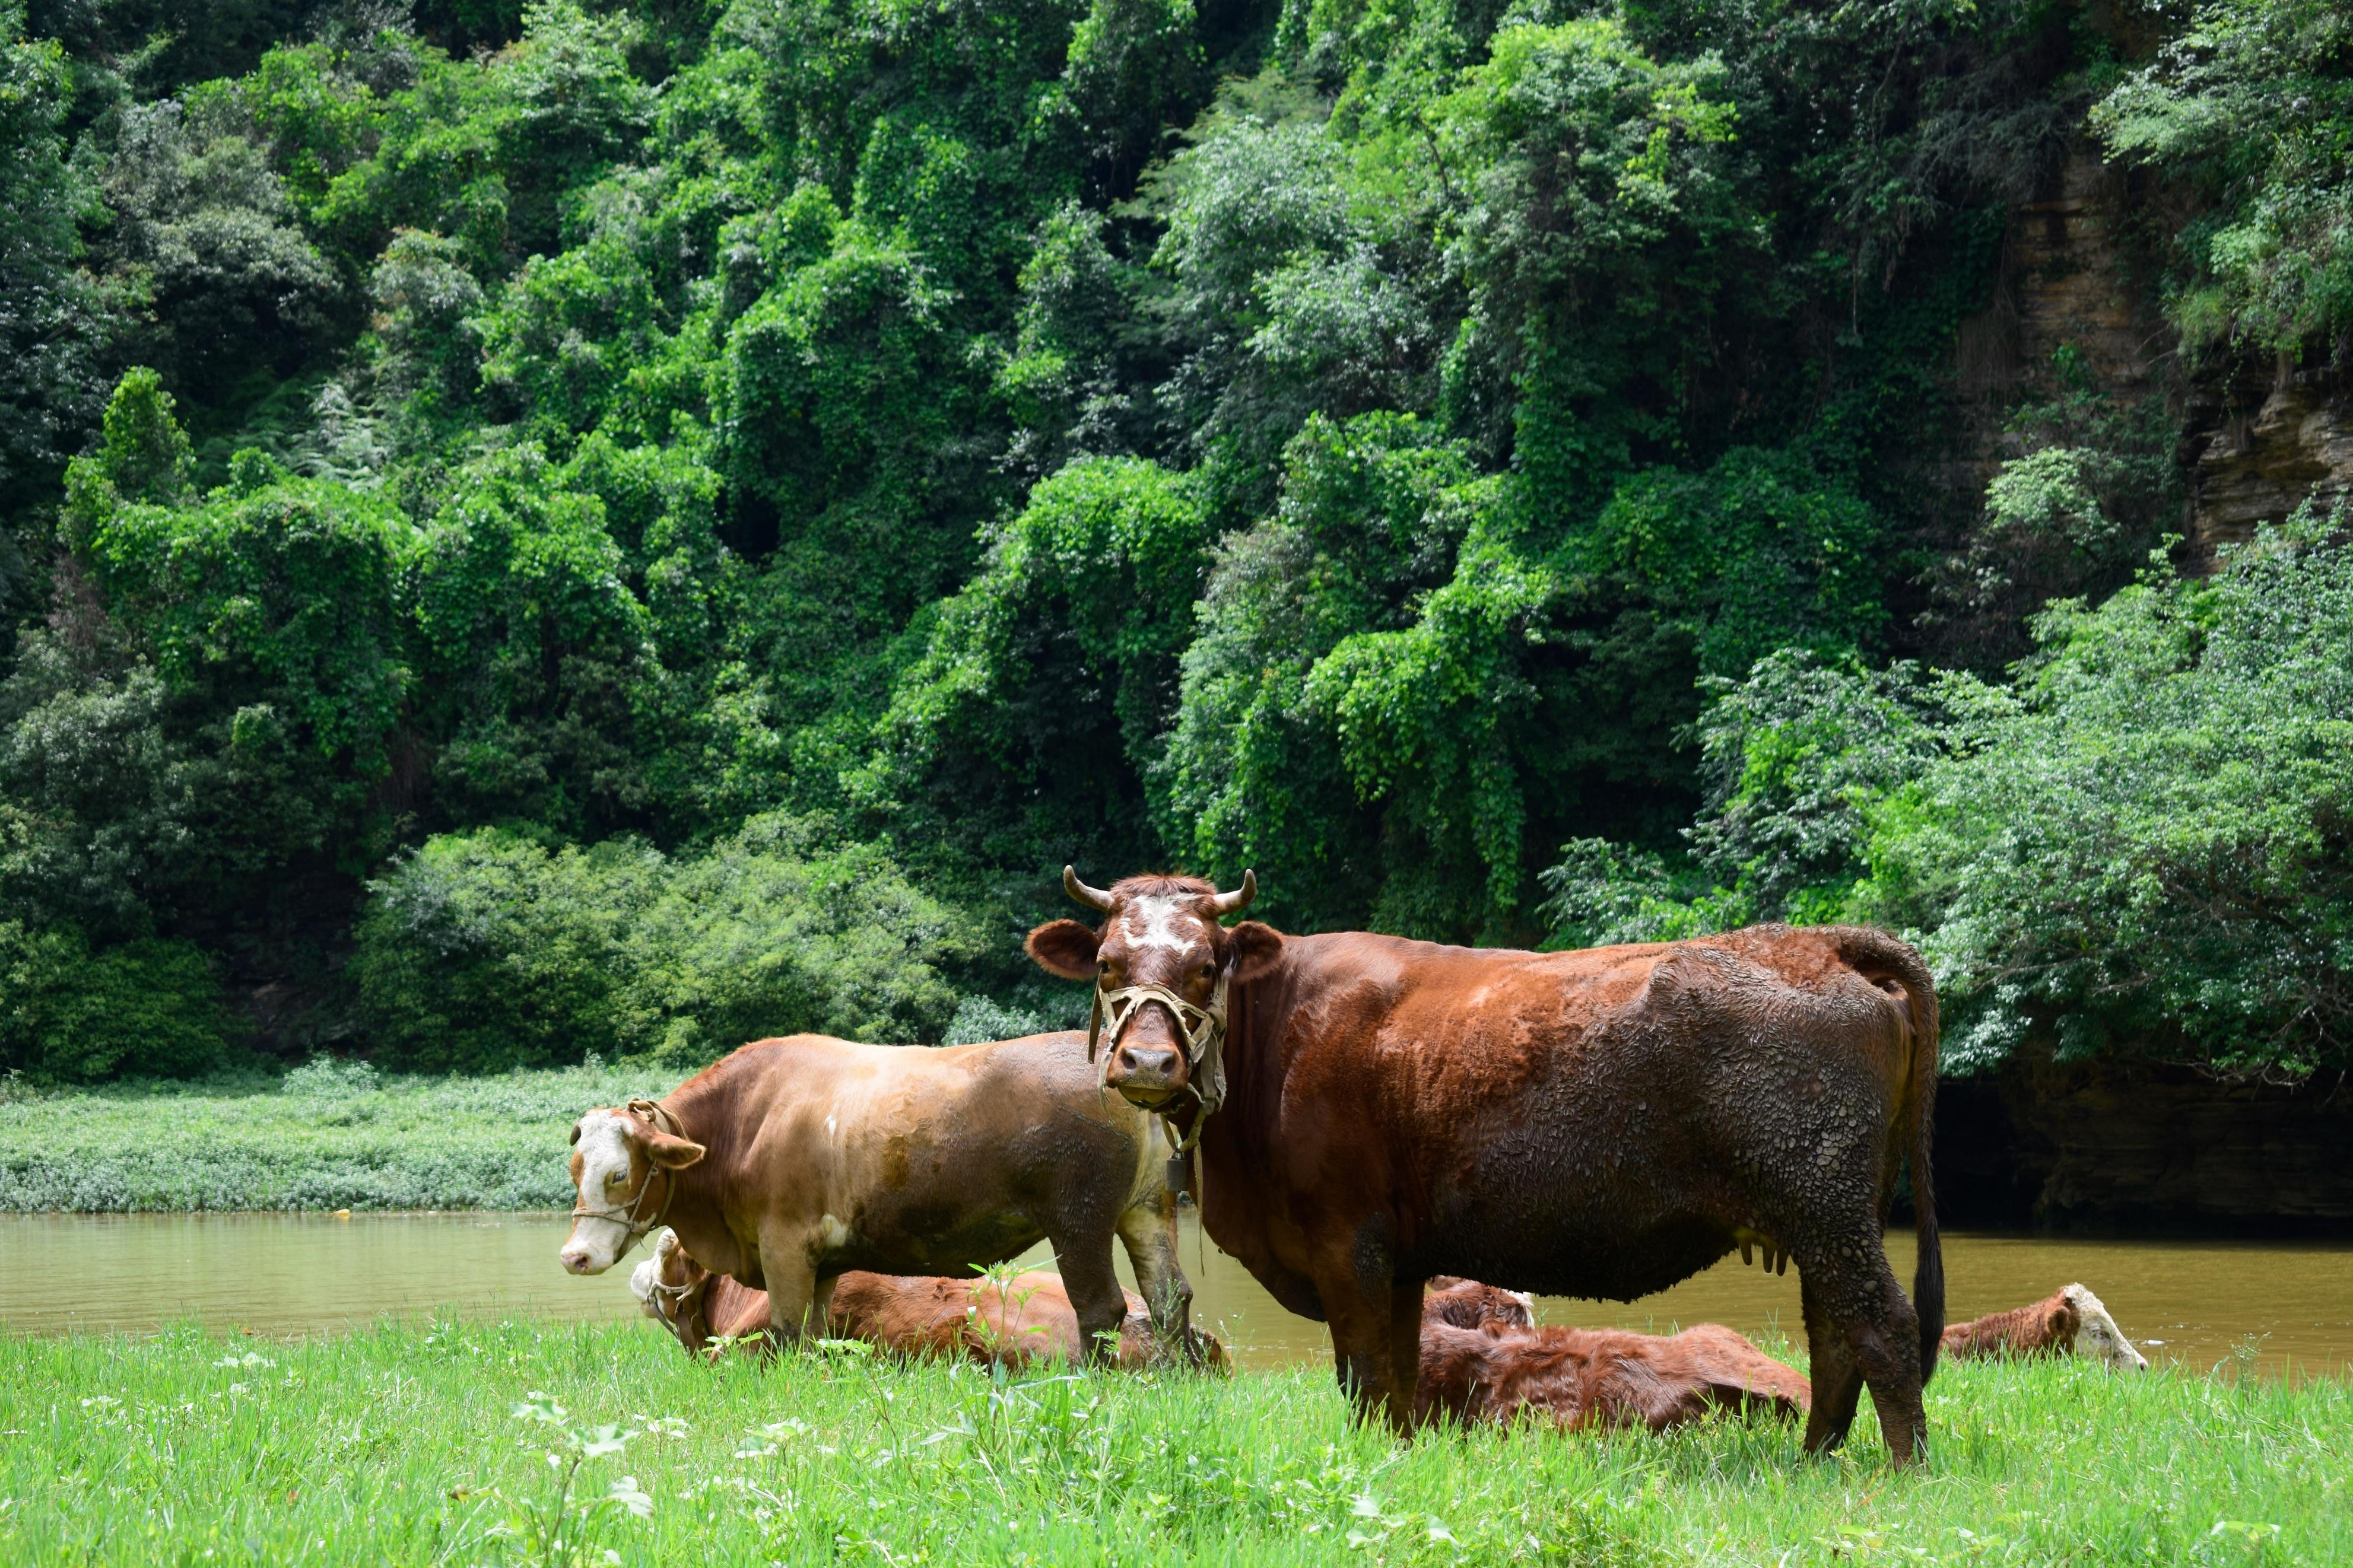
(1204, 1029)
(656, 1116)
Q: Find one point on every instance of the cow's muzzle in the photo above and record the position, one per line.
(1147, 1073)
(1157, 1046)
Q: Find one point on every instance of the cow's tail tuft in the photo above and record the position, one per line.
(1877, 955)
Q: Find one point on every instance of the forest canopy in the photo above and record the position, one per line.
(614, 528)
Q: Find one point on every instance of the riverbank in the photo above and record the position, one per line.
(428, 1443)
(333, 1135)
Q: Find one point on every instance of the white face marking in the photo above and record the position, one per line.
(1151, 923)
(2099, 1337)
(604, 1173)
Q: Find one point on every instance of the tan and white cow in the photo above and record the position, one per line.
(793, 1162)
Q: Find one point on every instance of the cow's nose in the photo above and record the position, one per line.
(1149, 1064)
(575, 1258)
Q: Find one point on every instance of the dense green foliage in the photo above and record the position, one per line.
(423, 1443)
(599, 526)
(483, 949)
(2255, 101)
(2144, 845)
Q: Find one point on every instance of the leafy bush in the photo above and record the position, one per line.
(151, 1006)
(2142, 847)
(983, 1019)
(2148, 844)
(2250, 102)
(486, 951)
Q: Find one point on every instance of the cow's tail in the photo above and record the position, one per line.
(1879, 958)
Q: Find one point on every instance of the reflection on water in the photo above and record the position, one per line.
(2182, 1301)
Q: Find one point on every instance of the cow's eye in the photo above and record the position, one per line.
(615, 1178)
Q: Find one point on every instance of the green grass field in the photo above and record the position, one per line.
(442, 1443)
(333, 1135)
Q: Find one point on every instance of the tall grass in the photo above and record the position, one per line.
(451, 1443)
(332, 1135)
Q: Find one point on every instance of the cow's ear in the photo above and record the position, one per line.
(671, 1152)
(2063, 1323)
(1065, 948)
(1257, 949)
(575, 1139)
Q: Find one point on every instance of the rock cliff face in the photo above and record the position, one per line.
(2261, 442)
(2257, 437)
(2070, 269)
(2107, 1147)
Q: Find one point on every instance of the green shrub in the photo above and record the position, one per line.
(151, 1006)
(2145, 846)
(484, 951)
(2148, 844)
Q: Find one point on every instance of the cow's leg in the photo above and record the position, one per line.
(1405, 1351)
(791, 1277)
(1360, 1345)
(1851, 1292)
(1887, 1343)
(1095, 1296)
(1836, 1380)
(1148, 1232)
(1359, 1305)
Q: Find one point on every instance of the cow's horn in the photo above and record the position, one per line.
(1094, 898)
(1238, 899)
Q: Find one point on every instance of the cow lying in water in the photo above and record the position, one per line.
(908, 1315)
(1599, 1378)
(2072, 1322)
(792, 1162)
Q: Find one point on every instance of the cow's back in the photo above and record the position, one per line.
(911, 1159)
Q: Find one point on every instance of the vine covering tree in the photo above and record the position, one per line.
(616, 526)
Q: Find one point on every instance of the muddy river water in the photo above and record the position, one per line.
(2187, 1302)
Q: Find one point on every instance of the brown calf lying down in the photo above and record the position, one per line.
(922, 1315)
(2072, 1322)
(1597, 1377)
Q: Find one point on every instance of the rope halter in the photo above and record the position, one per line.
(670, 1303)
(661, 1121)
(1204, 1029)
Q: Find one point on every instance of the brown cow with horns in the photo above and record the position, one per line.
(1371, 1111)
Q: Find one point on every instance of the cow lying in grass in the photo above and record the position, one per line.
(914, 1315)
(2072, 1322)
(1578, 1378)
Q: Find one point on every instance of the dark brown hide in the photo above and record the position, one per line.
(2046, 1328)
(1468, 1304)
(819, 1156)
(912, 1315)
(1599, 1377)
(1600, 1124)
